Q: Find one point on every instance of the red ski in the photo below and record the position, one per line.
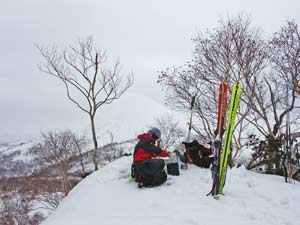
(222, 108)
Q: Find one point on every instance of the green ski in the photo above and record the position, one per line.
(234, 103)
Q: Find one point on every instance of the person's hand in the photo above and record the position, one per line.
(157, 143)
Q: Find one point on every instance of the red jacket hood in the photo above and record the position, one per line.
(145, 136)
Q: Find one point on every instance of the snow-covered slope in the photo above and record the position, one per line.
(125, 118)
(109, 197)
(130, 115)
(19, 149)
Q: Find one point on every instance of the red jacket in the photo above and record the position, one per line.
(145, 149)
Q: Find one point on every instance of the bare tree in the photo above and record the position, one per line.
(112, 147)
(171, 133)
(285, 59)
(18, 208)
(267, 97)
(232, 52)
(81, 143)
(49, 199)
(59, 150)
(268, 70)
(269, 102)
(6, 211)
(89, 84)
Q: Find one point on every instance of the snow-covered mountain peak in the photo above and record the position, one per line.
(109, 197)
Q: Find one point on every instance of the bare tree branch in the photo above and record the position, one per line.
(79, 68)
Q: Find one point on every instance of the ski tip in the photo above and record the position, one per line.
(237, 85)
(223, 84)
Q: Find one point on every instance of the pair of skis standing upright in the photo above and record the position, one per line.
(219, 167)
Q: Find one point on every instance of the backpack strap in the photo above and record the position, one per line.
(132, 170)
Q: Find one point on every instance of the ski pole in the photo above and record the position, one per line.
(191, 118)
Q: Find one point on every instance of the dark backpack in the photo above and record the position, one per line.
(199, 154)
(149, 173)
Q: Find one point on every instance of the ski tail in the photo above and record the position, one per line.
(233, 107)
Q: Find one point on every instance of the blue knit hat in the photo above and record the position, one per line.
(154, 131)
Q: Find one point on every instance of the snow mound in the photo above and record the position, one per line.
(109, 197)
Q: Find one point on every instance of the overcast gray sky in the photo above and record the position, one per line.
(146, 36)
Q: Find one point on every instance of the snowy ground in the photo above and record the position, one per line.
(109, 197)
(20, 147)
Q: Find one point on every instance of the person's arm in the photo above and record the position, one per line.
(206, 151)
(164, 154)
(148, 146)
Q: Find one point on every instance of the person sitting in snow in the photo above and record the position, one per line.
(147, 168)
(198, 154)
